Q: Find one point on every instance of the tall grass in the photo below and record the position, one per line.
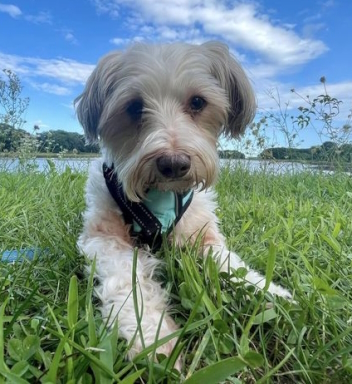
(51, 330)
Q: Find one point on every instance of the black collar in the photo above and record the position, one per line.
(151, 229)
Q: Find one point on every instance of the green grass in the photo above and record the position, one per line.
(51, 330)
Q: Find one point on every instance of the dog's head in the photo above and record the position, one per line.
(158, 110)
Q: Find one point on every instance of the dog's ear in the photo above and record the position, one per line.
(233, 79)
(90, 104)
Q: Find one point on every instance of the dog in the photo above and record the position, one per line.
(157, 112)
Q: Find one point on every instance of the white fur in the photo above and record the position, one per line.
(165, 78)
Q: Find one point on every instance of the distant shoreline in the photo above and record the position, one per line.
(49, 155)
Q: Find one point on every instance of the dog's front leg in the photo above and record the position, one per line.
(114, 270)
(230, 260)
(200, 223)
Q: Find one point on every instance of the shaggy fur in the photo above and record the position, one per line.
(143, 105)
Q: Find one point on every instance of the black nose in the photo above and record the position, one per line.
(173, 166)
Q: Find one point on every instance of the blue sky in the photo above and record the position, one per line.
(54, 45)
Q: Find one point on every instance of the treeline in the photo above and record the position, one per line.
(231, 154)
(328, 151)
(12, 139)
(57, 141)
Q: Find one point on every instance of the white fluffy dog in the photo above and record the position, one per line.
(157, 111)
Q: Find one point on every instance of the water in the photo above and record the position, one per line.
(42, 165)
(82, 164)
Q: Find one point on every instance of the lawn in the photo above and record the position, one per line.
(295, 228)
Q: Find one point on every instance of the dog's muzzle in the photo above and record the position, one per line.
(173, 166)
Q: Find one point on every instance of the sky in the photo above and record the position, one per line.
(53, 46)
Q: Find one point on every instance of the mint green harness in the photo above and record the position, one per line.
(153, 218)
(164, 205)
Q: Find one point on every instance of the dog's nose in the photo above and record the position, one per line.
(173, 167)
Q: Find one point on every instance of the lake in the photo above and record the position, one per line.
(81, 165)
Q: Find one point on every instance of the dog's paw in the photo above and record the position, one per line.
(166, 328)
(277, 290)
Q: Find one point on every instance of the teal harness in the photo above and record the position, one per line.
(153, 219)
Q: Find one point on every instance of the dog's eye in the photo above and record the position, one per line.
(135, 109)
(197, 103)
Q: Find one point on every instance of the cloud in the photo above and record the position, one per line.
(11, 10)
(107, 6)
(40, 73)
(341, 91)
(327, 3)
(242, 25)
(120, 42)
(15, 12)
(69, 36)
(40, 18)
(51, 88)
(310, 30)
(67, 71)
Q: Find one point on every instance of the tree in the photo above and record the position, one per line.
(12, 108)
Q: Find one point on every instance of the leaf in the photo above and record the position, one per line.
(133, 377)
(265, 316)
(15, 350)
(20, 368)
(244, 344)
(254, 359)
(226, 346)
(31, 345)
(3, 365)
(270, 265)
(221, 326)
(72, 302)
(217, 372)
(106, 357)
(334, 244)
(336, 230)
(323, 287)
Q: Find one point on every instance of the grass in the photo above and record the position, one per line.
(296, 228)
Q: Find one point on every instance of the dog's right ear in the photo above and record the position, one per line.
(90, 104)
(233, 79)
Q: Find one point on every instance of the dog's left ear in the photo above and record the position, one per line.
(233, 79)
(90, 104)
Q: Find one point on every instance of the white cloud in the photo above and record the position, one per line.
(119, 42)
(242, 25)
(69, 36)
(310, 19)
(51, 88)
(310, 30)
(11, 10)
(40, 18)
(107, 6)
(39, 73)
(341, 91)
(68, 71)
(15, 12)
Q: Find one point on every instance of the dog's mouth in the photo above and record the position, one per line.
(179, 173)
(175, 185)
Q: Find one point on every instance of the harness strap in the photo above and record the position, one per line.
(151, 228)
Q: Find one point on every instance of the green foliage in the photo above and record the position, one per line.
(13, 138)
(12, 105)
(59, 141)
(230, 154)
(296, 229)
(327, 152)
(284, 125)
